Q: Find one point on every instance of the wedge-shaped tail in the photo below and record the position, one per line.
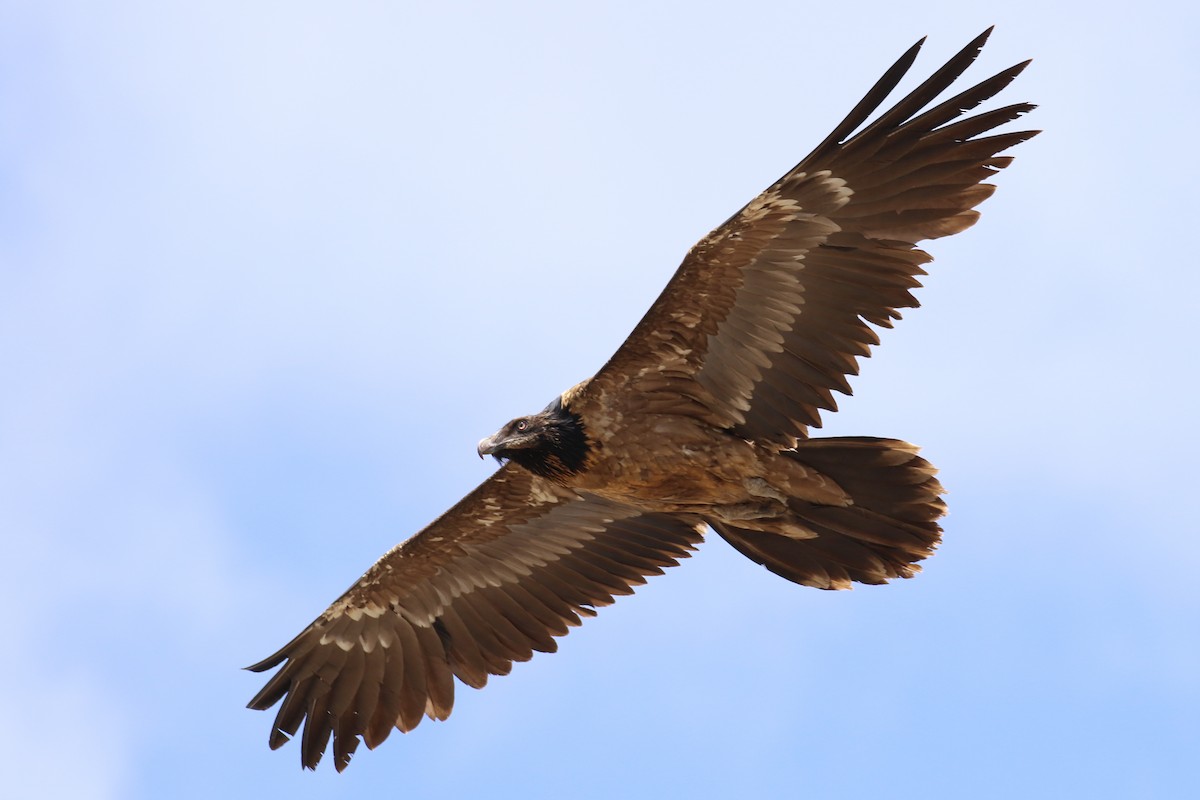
(892, 524)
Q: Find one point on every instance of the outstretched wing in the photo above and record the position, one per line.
(768, 314)
(499, 575)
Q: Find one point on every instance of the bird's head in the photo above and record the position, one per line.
(551, 443)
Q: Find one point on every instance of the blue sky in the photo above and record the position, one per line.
(268, 272)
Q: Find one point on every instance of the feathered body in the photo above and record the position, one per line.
(843, 509)
(700, 419)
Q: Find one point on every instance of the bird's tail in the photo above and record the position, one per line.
(891, 524)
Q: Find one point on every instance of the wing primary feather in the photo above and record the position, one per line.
(929, 89)
(317, 730)
(387, 712)
(291, 714)
(349, 678)
(966, 128)
(966, 100)
(867, 106)
(345, 740)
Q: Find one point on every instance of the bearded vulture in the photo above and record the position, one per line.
(700, 420)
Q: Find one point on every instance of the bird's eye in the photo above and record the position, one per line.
(522, 424)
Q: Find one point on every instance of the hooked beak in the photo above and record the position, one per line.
(489, 446)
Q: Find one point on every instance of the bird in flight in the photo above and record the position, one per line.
(699, 420)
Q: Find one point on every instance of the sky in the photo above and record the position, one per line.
(268, 271)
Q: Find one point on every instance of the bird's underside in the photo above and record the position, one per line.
(699, 420)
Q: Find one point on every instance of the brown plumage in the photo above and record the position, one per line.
(699, 420)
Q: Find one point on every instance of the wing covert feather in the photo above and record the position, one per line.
(769, 313)
(513, 565)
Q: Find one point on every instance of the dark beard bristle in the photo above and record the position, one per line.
(563, 451)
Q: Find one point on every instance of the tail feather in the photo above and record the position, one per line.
(892, 524)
